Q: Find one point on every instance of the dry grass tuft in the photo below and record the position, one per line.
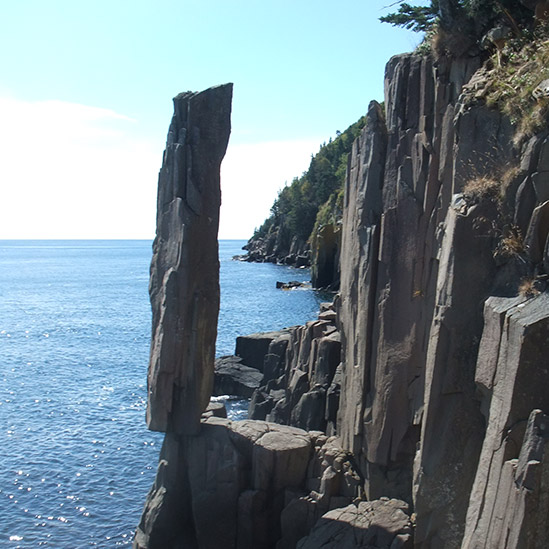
(510, 172)
(493, 186)
(525, 63)
(481, 187)
(528, 288)
(512, 243)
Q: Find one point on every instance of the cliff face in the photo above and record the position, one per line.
(402, 233)
(278, 247)
(418, 262)
(430, 369)
(437, 199)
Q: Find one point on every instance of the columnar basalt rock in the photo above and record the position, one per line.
(507, 504)
(244, 484)
(252, 348)
(417, 263)
(398, 191)
(360, 248)
(299, 367)
(453, 426)
(219, 483)
(232, 377)
(325, 257)
(429, 367)
(184, 283)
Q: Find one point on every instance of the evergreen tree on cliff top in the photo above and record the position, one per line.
(295, 210)
(470, 17)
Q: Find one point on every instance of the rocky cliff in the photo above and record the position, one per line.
(414, 411)
(304, 228)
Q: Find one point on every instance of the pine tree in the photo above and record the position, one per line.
(472, 17)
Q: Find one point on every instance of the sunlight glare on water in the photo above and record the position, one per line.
(77, 459)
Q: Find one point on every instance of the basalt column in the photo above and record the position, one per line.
(184, 283)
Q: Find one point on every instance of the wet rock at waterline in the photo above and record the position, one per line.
(232, 377)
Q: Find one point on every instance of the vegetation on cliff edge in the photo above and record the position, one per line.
(517, 34)
(457, 27)
(515, 31)
(472, 17)
(515, 84)
(295, 210)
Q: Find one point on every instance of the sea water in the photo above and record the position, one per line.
(77, 459)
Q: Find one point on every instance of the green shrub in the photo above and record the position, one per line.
(297, 205)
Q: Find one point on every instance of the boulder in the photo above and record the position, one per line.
(215, 409)
(253, 348)
(234, 378)
(382, 523)
(292, 285)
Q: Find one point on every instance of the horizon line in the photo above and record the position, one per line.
(22, 239)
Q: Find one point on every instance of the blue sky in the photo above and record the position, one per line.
(85, 101)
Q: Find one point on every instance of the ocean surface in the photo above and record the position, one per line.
(77, 460)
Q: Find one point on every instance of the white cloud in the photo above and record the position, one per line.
(77, 171)
(252, 175)
(74, 171)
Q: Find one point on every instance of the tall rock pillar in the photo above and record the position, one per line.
(184, 283)
(184, 291)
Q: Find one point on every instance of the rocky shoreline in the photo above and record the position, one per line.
(412, 412)
(268, 250)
